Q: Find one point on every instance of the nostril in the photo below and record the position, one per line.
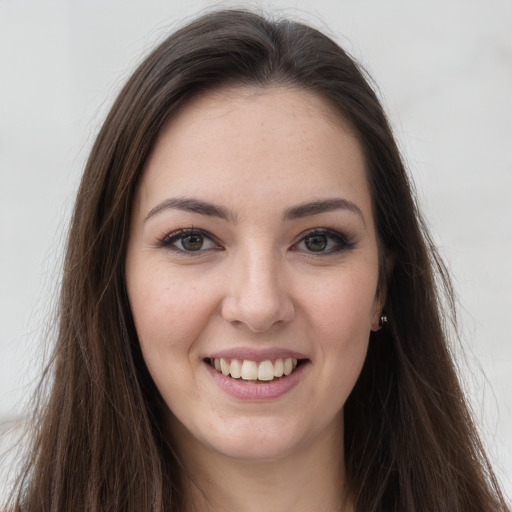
(257, 310)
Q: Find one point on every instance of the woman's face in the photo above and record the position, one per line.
(253, 254)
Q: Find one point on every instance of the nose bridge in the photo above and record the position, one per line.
(258, 295)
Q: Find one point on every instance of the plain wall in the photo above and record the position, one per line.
(444, 70)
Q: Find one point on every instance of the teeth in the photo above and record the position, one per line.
(265, 370)
(279, 368)
(288, 366)
(251, 370)
(235, 368)
(224, 367)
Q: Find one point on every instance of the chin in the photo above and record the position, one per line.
(247, 449)
(265, 439)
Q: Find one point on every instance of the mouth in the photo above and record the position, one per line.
(256, 372)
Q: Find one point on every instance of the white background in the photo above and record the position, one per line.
(444, 70)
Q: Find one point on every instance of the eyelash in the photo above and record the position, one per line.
(170, 241)
(341, 241)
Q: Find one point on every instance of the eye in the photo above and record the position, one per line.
(189, 241)
(323, 241)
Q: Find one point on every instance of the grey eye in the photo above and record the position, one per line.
(324, 241)
(192, 242)
(316, 243)
(189, 241)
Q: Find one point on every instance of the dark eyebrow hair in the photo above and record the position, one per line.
(295, 212)
(191, 205)
(321, 206)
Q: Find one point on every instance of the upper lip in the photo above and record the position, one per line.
(257, 355)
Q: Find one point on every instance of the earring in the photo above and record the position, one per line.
(382, 320)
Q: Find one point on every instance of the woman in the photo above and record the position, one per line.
(251, 316)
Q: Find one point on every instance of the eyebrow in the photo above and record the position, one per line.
(192, 205)
(322, 206)
(295, 212)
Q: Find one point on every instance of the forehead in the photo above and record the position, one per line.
(244, 143)
(257, 106)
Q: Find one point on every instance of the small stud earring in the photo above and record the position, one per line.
(382, 320)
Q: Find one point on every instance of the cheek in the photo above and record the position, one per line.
(169, 311)
(341, 314)
(170, 314)
(344, 303)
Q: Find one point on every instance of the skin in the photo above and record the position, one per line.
(255, 283)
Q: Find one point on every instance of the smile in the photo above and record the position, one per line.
(246, 369)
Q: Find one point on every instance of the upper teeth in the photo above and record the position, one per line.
(251, 370)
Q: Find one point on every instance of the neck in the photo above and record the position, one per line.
(306, 481)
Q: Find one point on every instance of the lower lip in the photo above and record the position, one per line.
(250, 390)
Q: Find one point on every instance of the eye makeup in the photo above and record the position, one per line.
(189, 241)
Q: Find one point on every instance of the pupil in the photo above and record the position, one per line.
(316, 243)
(192, 242)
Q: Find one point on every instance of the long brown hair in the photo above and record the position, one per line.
(410, 444)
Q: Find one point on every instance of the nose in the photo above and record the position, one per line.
(258, 296)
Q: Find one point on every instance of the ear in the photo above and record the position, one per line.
(386, 268)
(378, 305)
